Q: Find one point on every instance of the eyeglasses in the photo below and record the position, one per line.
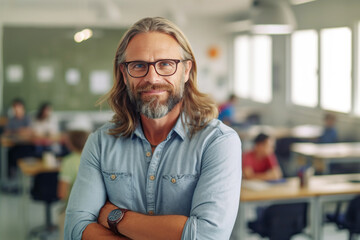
(163, 67)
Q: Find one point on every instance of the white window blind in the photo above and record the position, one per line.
(304, 68)
(336, 69)
(253, 72)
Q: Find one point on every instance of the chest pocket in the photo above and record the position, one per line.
(176, 193)
(119, 188)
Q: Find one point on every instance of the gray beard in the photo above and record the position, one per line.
(153, 108)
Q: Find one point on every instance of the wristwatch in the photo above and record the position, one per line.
(114, 217)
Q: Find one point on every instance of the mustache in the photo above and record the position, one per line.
(148, 87)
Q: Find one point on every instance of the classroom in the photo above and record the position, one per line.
(283, 74)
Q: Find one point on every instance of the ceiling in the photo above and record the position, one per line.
(114, 12)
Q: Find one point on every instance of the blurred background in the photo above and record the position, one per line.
(287, 62)
(274, 76)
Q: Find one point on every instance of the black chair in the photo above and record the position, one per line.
(283, 153)
(280, 221)
(350, 220)
(45, 189)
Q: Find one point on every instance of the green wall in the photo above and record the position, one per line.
(35, 47)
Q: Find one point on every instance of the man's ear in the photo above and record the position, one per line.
(122, 71)
(188, 66)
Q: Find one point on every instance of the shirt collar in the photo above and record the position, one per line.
(179, 128)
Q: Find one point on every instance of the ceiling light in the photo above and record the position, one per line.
(298, 2)
(83, 35)
(272, 17)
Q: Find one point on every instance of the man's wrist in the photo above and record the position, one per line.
(114, 218)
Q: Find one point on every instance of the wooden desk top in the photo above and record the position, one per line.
(335, 184)
(31, 167)
(290, 189)
(3, 121)
(326, 151)
(287, 190)
(11, 140)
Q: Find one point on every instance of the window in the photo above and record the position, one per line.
(253, 73)
(336, 69)
(304, 67)
(242, 66)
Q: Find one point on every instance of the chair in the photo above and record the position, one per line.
(349, 220)
(280, 221)
(283, 154)
(45, 189)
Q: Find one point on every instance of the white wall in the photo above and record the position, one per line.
(213, 73)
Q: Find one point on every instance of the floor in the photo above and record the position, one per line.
(330, 233)
(11, 219)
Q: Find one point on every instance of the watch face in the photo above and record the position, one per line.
(115, 215)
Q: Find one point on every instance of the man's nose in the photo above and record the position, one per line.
(152, 75)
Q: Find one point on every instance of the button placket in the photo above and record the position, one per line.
(152, 179)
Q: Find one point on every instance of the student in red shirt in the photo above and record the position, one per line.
(260, 162)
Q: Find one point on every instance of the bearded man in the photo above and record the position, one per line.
(164, 167)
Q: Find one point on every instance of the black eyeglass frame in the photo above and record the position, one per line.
(177, 61)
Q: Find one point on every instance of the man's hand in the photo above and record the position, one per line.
(104, 212)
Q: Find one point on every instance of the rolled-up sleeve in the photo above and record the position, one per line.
(88, 193)
(217, 195)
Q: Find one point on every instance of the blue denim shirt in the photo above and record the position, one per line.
(198, 177)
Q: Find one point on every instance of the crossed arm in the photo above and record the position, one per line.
(136, 226)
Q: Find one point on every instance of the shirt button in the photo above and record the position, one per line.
(113, 176)
(151, 212)
(173, 180)
(152, 177)
(148, 154)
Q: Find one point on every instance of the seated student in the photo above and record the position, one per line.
(227, 110)
(18, 128)
(19, 122)
(329, 134)
(75, 141)
(260, 162)
(44, 124)
(46, 130)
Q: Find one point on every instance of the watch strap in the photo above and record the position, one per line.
(113, 224)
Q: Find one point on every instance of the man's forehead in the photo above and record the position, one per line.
(153, 45)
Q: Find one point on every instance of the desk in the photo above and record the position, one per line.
(328, 153)
(6, 142)
(321, 189)
(3, 121)
(301, 132)
(304, 132)
(29, 168)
